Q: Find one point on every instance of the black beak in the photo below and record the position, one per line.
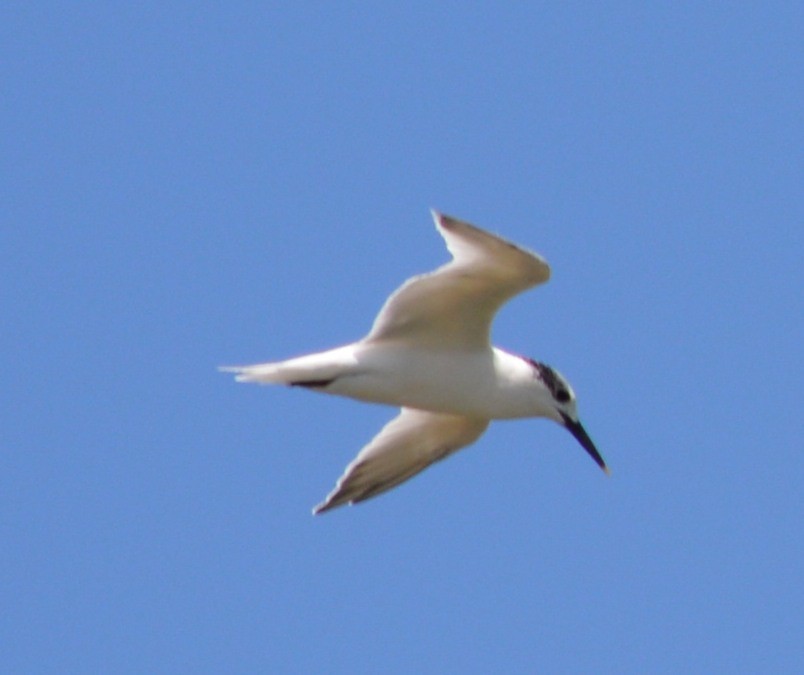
(577, 430)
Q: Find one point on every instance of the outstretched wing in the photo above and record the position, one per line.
(453, 307)
(406, 445)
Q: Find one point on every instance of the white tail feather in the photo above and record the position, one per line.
(313, 367)
(266, 373)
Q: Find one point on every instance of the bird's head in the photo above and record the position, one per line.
(563, 408)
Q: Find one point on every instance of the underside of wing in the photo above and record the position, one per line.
(453, 307)
(405, 446)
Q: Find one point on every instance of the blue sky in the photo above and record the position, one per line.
(192, 184)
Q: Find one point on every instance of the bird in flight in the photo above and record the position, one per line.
(430, 353)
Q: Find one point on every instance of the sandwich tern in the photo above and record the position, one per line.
(429, 352)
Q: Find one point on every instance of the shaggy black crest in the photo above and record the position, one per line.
(552, 381)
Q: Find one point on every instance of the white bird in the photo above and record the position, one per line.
(429, 352)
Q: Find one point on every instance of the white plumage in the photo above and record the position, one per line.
(429, 352)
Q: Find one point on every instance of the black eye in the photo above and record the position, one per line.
(562, 396)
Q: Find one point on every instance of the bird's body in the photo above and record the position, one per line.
(487, 383)
(429, 352)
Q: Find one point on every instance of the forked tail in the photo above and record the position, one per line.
(313, 370)
(264, 373)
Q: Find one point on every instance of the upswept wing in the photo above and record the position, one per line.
(453, 307)
(405, 446)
